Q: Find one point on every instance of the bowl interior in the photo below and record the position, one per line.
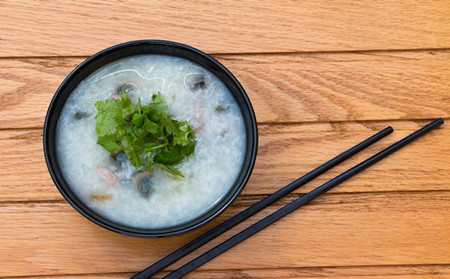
(138, 48)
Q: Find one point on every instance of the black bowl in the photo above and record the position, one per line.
(137, 48)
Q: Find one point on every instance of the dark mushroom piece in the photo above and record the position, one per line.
(143, 183)
(120, 158)
(220, 108)
(198, 82)
(125, 87)
(80, 115)
(145, 186)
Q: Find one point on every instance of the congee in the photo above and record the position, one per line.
(151, 141)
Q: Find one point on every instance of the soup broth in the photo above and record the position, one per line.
(108, 185)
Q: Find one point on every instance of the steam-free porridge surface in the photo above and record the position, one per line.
(192, 94)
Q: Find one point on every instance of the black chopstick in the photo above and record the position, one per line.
(277, 215)
(201, 240)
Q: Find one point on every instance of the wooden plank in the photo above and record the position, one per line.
(348, 272)
(338, 230)
(285, 153)
(289, 88)
(255, 58)
(341, 91)
(65, 28)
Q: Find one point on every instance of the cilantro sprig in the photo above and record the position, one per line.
(147, 134)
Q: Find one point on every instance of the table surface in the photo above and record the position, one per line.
(321, 75)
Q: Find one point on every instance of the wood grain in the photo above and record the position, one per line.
(338, 230)
(67, 28)
(344, 272)
(285, 153)
(282, 88)
(321, 75)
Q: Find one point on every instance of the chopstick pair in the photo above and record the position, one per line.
(224, 246)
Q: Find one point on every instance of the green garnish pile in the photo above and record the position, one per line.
(148, 135)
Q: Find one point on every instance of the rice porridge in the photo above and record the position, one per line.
(110, 185)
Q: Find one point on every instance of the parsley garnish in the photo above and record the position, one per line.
(148, 135)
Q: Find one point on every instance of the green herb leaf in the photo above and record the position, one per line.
(108, 117)
(184, 134)
(148, 135)
(169, 169)
(109, 143)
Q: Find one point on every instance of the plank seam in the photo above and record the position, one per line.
(442, 265)
(362, 51)
(255, 196)
(284, 123)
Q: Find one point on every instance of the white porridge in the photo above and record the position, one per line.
(109, 183)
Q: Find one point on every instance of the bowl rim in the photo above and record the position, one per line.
(72, 198)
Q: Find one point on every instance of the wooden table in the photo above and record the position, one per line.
(322, 76)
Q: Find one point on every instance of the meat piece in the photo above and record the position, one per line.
(108, 176)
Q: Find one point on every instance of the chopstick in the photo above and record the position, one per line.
(201, 240)
(277, 215)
